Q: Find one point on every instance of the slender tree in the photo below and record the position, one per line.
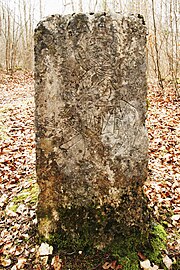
(80, 6)
(156, 48)
(104, 5)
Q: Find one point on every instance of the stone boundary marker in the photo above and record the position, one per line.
(90, 83)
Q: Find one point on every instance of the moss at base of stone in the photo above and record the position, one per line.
(157, 240)
(176, 264)
(123, 248)
(93, 229)
(83, 228)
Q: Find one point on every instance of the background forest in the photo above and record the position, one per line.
(19, 17)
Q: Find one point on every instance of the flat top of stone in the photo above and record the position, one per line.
(138, 18)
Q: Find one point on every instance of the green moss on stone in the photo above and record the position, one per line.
(176, 264)
(98, 228)
(157, 240)
(125, 249)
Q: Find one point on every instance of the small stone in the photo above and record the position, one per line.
(45, 249)
(167, 261)
(146, 265)
(21, 263)
(175, 217)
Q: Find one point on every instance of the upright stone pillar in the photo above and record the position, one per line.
(90, 82)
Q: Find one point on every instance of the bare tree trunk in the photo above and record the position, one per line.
(156, 48)
(8, 39)
(80, 6)
(40, 9)
(172, 39)
(104, 5)
(13, 47)
(72, 4)
(176, 64)
(0, 25)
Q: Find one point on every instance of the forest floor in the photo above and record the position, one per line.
(18, 189)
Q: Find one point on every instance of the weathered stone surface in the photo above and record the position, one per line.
(90, 125)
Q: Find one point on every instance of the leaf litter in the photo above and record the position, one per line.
(18, 189)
